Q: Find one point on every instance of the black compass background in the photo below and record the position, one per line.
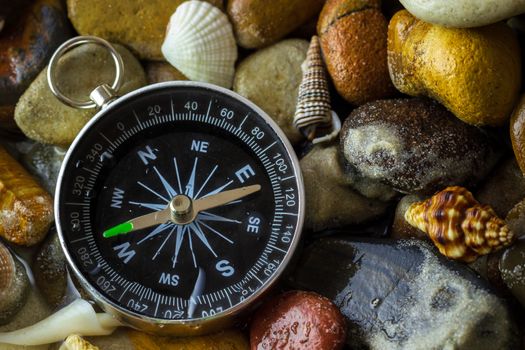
(170, 117)
(167, 144)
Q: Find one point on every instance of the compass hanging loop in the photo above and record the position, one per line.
(102, 94)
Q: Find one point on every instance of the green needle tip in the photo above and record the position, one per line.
(118, 230)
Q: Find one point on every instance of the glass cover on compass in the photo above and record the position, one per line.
(168, 142)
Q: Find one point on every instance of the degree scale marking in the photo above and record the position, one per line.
(269, 167)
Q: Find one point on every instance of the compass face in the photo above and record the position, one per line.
(135, 158)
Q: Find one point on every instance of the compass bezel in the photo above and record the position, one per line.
(199, 325)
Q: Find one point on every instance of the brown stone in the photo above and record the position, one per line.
(298, 320)
(138, 24)
(157, 72)
(504, 187)
(401, 229)
(31, 32)
(259, 23)
(353, 35)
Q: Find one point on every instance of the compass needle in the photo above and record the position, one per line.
(178, 206)
(119, 229)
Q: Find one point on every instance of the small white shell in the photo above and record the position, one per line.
(79, 317)
(200, 43)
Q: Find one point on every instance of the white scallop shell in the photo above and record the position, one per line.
(200, 43)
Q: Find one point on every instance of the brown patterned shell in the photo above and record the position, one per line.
(313, 100)
(459, 225)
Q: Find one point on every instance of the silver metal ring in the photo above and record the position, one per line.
(70, 44)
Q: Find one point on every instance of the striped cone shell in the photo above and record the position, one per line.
(459, 226)
(313, 101)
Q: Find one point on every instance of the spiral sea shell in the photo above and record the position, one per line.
(76, 342)
(14, 285)
(313, 101)
(459, 226)
(200, 43)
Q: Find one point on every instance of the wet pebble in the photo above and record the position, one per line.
(503, 188)
(43, 161)
(512, 268)
(401, 295)
(259, 23)
(415, 145)
(137, 24)
(50, 271)
(475, 73)
(32, 30)
(298, 320)
(515, 218)
(331, 201)
(353, 39)
(42, 117)
(270, 78)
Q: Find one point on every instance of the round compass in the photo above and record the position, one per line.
(178, 206)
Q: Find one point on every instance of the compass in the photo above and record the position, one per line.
(178, 206)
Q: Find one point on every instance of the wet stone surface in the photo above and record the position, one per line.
(401, 295)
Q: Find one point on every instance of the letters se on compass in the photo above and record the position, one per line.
(193, 145)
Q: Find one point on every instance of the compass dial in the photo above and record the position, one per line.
(151, 149)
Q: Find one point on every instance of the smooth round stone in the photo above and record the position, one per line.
(270, 78)
(353, 40)
(415, 145)
(43, 161)
(515, 218)
(31, 32)
(158, 72)
(512, 267)
(298, 320)
(42, 117)
(475, 73)
(138, 24)
(402, 295)
(464, 13)
(503, 188)
(50, 270)
(331, 200)
(258, 23)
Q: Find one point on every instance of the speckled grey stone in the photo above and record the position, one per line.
(415, 145)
